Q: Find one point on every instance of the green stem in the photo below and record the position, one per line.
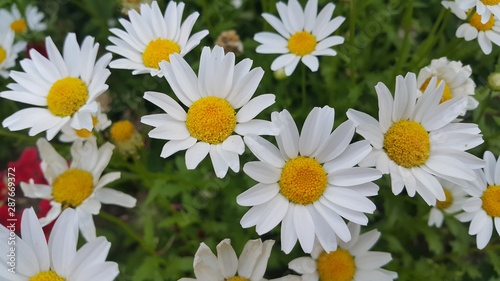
(304, 94)
(405, 47)
(18, 136)
(352, 30)
(128, 230)
(430, 41)
(484, 105)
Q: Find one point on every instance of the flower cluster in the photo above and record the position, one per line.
(316, 186)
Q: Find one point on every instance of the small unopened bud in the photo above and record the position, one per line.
(128, 5)
(126, 139)
(230, 41)
(494, 81)
(280, 74)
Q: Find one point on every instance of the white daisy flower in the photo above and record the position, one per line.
(483, 208)
(484, 8)
(212, 99)
(484, 32)
(9, 52)
(415, 141)
(250, 266)
(59, 259)
(456, 78)
(13, 20)
(455, 197)
(150, 38)
(64, 87)
(303, 35)
(352, 261)
(99, 120)
(455, 8)
(309, 183)
(79, 185)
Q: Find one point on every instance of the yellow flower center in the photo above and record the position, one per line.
(3, 54)
(336, 266)
(237, 278)
(302, 43)
(475, 21)
(19, 26)
(407, 143)
(159, 50)
(46, 276)
(72, 187)
(303, 180)
(211, 119)
(446, 93)
(490, 2)
(491, 200)
(66, 96)
(84, 133)
(443, 205)
(122, 130)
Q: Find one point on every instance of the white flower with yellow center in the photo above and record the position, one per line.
(303, 35)
(250, 266)
(79, 185)
(455, 8)
(484, 32)
(309, 183)
(484, 8)
(415, 141)
(150, 38)
(59, 259)
(456, 79)
(455, 197)
(352, 261)
(13, 20)
(483, 208)
(99, 120)
(212, 99)
(64, 87)
(9, 52)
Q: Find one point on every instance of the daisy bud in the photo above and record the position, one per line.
(230, 41)
(126, 138)
(494, 81)
(280, 74)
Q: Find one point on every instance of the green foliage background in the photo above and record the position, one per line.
(177, 209)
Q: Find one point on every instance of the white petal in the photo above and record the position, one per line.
(316, 129)
(227, 259)
(304, 226)
(275, 212)
(264, 150)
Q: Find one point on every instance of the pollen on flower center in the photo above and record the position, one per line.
(84, 133)
(159, 50)
(237, 278)
(407, 143)
(211, 119)
(491, 200)
(443, 205)
(66, 96)
(475, 21)
(302, 43)
(47, 276)
(490, 2)
(122, 130)
(72, 187)
(336, 266)
(446, 93)
(303, 180)
(3, 54)
(19, 26)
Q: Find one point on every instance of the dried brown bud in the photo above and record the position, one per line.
(230, 41)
